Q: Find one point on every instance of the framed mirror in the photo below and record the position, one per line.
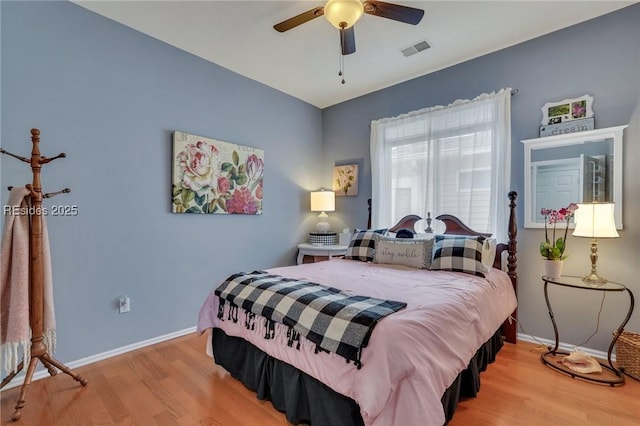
(575, 167)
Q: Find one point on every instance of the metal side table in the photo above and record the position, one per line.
(610, 374)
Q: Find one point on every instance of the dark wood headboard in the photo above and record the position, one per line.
(454, 226)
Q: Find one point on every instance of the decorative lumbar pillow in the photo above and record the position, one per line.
(363, 244)
(413, 253)
(459, 253)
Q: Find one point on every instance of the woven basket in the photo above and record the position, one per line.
(628, 353)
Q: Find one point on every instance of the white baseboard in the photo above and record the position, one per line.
(565, 346)
(42, 373)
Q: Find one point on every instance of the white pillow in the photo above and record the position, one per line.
(423, 236)
(489, 253)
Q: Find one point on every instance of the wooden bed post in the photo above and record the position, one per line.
(510, 327)
(36, 278)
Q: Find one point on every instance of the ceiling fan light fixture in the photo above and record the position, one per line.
(343, 13)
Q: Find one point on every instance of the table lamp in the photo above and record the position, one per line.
(323, 201)
(595, 220)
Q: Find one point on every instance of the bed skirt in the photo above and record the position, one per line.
(306, 400)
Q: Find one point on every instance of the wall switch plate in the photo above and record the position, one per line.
(125, 304)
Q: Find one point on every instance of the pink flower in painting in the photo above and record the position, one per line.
(578, 110)
(255, 167)
(198, 163)
(259, 191)
(242, 202)
(223, 185)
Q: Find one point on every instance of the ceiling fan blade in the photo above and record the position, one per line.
(406, 14)
(347, 40)
(299, 19)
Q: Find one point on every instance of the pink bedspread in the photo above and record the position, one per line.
(413, 355)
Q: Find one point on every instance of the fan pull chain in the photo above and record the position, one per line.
(341, 72)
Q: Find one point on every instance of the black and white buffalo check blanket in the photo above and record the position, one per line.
(334, 321)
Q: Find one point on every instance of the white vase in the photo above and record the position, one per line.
(553, 268)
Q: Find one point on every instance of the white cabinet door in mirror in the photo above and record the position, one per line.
(572, 168)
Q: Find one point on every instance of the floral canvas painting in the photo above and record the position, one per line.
(211, 176)
(345, 180)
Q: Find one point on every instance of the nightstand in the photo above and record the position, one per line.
(610, 374)
(319, 252)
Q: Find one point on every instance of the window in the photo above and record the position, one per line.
(451, 160)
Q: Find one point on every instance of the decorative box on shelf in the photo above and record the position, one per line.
(567, 127)
(322, 238)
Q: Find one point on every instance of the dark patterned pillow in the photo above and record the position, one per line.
(459, 253)
(363, 244)
(405, 233)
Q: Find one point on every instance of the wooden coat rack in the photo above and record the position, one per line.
(36, 278)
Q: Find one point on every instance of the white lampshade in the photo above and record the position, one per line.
(595, 220)
(345, 12)
(323, 201)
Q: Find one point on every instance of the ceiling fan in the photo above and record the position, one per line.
(344, 13)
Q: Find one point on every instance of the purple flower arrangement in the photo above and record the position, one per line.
(552, 248)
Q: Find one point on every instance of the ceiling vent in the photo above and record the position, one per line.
(415, 48)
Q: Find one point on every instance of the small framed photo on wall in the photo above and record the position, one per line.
(345, 180)
(567, 110)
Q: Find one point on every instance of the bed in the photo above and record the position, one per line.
(416, 363)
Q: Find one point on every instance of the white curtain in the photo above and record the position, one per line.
(454, 159)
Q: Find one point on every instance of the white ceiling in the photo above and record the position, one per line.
(304, 62)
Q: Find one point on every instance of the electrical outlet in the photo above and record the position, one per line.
(125, 304)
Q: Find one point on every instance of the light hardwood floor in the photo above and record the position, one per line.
(175, 383)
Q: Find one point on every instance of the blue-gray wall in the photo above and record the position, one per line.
(110, 98)
(599, 57)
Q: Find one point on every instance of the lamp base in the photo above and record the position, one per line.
(323, 227)
(594, 279)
